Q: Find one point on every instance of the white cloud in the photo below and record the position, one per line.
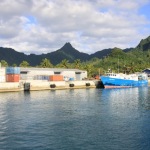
(46, 25)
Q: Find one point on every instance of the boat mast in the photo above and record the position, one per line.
(118, 63)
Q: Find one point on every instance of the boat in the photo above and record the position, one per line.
(120, 80)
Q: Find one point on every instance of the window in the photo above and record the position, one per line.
(78, 72)
(57, 72)
(23, 72)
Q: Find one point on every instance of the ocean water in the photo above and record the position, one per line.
(79, 119)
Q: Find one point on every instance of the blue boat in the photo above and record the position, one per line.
(120, 80)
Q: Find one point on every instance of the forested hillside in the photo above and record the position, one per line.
(128, 60)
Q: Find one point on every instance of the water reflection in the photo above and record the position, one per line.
(79, 119)
(131, 98)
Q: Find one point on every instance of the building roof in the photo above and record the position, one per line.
(50, 69)
(146, 70)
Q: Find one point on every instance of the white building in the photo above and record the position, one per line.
(2, 74)
(44, 73)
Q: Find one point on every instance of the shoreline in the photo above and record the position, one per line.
(36, 85)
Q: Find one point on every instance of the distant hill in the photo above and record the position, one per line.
(101, 54)
(13, 57)
(66, 52)
(144, 44)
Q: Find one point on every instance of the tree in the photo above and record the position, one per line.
(64, 63)
(4, 63)
(24, 64)
(14, 65)
(88, 68)
(77, 63)
(46, 63)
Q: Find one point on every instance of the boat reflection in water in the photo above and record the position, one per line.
(126, 102)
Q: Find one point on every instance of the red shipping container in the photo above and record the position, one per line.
(56, 78)
(12, 77)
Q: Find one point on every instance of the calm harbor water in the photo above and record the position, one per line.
(80, 119)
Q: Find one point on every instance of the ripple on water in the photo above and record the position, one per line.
(76, 119)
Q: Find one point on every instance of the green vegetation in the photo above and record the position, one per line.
(133, 61)
(118, 60)
(4, 63)
(46, 63)
(24, 64)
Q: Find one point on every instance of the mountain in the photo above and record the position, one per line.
(13, 57)
(66, 52)
(101, 54)
(144, 44)
(128, 50)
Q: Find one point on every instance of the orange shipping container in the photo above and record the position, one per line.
(56, 78)
(12, 77)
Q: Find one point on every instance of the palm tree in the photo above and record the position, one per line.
(14, 65)
(46, 63)
(4, 63)
(88, 68)
(77, 63)
(64, 63)
(24, 64)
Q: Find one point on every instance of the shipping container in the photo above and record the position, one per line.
(26, 77)
(41, 77)
(12, 70)
(38, 77)
(12, 77)
(56, 78)
(2, 78)
(45, 77)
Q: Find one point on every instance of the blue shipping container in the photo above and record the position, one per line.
(42, 77)
(13, 70)
(45, 78)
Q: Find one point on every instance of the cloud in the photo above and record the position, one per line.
(46, 25)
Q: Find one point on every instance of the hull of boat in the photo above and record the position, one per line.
(122, 83)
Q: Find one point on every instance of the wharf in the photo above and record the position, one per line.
(35, 85)
(11, 87)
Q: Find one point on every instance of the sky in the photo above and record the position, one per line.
(43, 26)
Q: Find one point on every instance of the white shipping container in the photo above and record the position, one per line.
(25, 77)
(2, 78)
(2, 71)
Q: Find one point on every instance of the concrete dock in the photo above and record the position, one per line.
(11, 86)
(35, 85)
(53, 85)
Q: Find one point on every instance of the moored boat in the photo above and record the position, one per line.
(120, 80)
